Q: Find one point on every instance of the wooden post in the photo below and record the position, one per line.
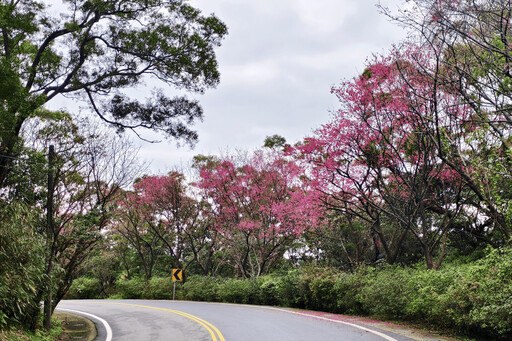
(50, 238)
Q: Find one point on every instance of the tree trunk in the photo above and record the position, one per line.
(428, 257)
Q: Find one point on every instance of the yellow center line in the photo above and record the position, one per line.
(212, 330)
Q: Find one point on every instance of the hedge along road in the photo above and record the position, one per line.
(177, 320)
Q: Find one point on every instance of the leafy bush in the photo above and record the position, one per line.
(240, 291)
(322, 295)
(132, 288)
(479, 301)
(348, 292)
(201, 288)
(386, 293)
(84, 288)
(22, 267)
(427, 290)
(269, 292)
(287, 289)
(158, 288)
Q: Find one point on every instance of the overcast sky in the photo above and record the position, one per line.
(278, 64)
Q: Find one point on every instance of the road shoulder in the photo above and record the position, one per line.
(402, 329)
(75, 327)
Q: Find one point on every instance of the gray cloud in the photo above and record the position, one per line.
(278, 65)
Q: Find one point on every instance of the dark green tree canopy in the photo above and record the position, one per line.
(98, 49)
(275, 141)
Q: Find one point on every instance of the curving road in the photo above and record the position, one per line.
(140, 320)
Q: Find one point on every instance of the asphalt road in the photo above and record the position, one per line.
(140, 320)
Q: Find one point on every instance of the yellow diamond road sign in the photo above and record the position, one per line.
(177, 275)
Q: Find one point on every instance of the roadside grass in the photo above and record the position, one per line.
(40, 335)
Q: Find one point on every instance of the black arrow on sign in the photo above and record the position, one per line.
(177, 274)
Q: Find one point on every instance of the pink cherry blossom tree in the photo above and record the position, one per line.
(472, 55)
(178, 214)
(163, 212)
(377, 159)
(132, 228)
(260, 207)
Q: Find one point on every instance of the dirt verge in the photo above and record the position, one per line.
(75, 327)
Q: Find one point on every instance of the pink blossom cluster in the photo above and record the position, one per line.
(382, 141)
(264, 196)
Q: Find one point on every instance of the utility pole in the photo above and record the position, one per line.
(50, 237)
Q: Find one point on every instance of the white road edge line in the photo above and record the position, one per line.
(384, 336)
(105, 323)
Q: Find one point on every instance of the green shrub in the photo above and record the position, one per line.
(322, 295)
(494, 311)
(201, 288)
(287, 289)
(21, 265)
(84, 288)
(132, 288)
(348, 293)
(386, 293)
(269, 292)
(480, 301)
(301, 289)
(427, 291)
(158, 288)
(240, 291)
